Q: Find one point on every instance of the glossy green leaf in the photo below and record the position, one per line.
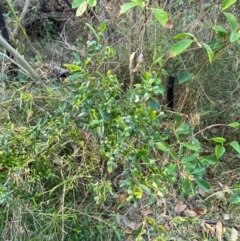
(81, 9)
(92, 3)
(161, 16)
(234, 37)
(171, 168)
(76, 3)
(187, 187)
(219, 139)
(189, 158)
(234, 124)
(202, 184)
(183, 35)
(235, 145)
(179, 47)
(210, 52)
(219, 151)
(127, 6)
(162, 146)
(220, 29)
(191, 146)
(227, 3)
(208, 160)
(183, 129)
(199, 171)
(232, 21)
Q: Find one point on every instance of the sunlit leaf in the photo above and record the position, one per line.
(219, 151)
(179, 47)
(92, 3)
(234, 37)
(81, 9)
(183, 35)
(234, 124)
(235, 145)
(127, 6)
(77, 3)
(162, 17)
(232, 21)
(227, 3)
(210, 52)
(219, 139)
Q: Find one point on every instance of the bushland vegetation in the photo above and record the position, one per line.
(88, 149)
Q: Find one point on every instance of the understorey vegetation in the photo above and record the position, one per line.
(89, 150)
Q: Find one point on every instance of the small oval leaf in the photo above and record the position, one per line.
(180, 47)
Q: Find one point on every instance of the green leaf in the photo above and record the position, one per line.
(93, 31)
(127, 6)
(191, 146)
(72, 67)
(180, 47)
(219, 151)
(189, 158)
(184, 76)
(161, 16)
(219, 139)
(187, 186)
(202, 184)
(220, 29)
(103, 26)
(137, 192)
(234, 37)
(184, 35)
(227, 3)
(77, 3)
(151, 221)
(145, 188)
(235, 198)
(173, 154)
(232, 21)
(154, 104)
(234, 124)
(235, 146)
(171, 168)
(210, 53)
(81, 9)
(199, 171)
(92, 3)
(208, 160)
(183, 129)
(162, 146)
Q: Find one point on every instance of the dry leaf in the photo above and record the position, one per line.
(146, 212)
(190, 213)
(209, 228)
(180, 207)
(122, 197)
(134, 226)
(234, 234)
(200, 211)
(139, 63)
(219, 231)
(226, 216)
